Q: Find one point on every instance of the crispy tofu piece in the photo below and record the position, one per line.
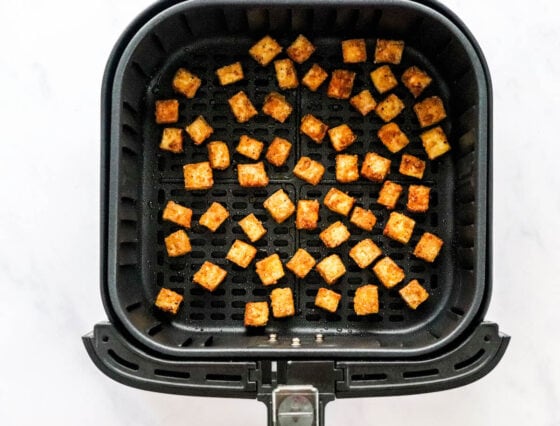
(252, 175)
(282, 302)
(414, 294)
(256, 314)
(415, 80)
(375, 167)
(250, 147)
(327, 299)
(178, 214)
(363, 102)
(218, 155)
(209, 276)
(300, 50)
(307, 214)
(241, 253)
(286, 74)
(314, 77)
(418, 198)
(177, 244)
(366, 300)
(354, 51)
(341, 137)
(276, 106)
(230, 74)
(336, 234)
(331, 268)
(241, 107)
(340, 86)
(435, 142)
(389, 194)
(252, 227)
(389, 107)
(172, 140)
(167, 111)
(388, 272)
(313, 127)
(309, 170)
(428, 247)
(278, 151)
(347, 168)
(363, 219)
(198, 176)
(383, 79)
(392, 137)
(214, 216)
(199, 130)
(412, 166)
(265, 50)
(365, 252)
(186, 83)
(168, 301)
(430, 111)
(279, 206)
(339, 202)
(388, 51)
(301, 263)
(399, 227)
(270, 269)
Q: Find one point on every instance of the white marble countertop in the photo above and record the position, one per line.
(53, 56)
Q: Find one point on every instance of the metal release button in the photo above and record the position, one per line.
(295, 406)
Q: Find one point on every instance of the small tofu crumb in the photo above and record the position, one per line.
(178, 214)
(428, 247)
(249, 147)
(252, 227)
(242, 107)
(300, 50)
(198, 176)
(383, 79)
(241, 253)
(309, 170)
(307, 214)
(339, 202)
(327, 299)
(363, 102)
(435, 142)
(276, 106)
(313, 127)
(279, 206)
(366, 300)
(375, 167)
(214, 216)
(392, 137)
(341, 84)
(388, 272)
(282, 302)
(415, 80)
(430, 111)
(168, 301)
(412, 166)
(314, 77)
(230, 74)
(218, 155)
(341, 137)
(167, 111)
(365, 252)
(270, 269)
(199, 130)
(331, 268)
(265, 50)
(389, 194)
(278, 151)
(389, 107)
(301, 263)
(418, 198)
(186, 83)
(177, 244)
(252, 175)
(172, 140)
(354, 51)
(256, 314)
(389, 51)
(334, 235)
(363, 219)
(414, 294)
(209, 276)
(347, 168)
(399, 227)
(286, 74)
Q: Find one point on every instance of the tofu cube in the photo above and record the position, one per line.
(209, 276)
(331, 268)
(389, 107)
(388, 272)
(399, 227)
(435, 142)
(252, 175)
(270, 269)
(415, 80)
(300, 50)
(354, 51)
(430, 111)
(199, 130)
(389, 194)
(168, 301)
(307, 214)
(313, 127)
(252, 227)
(282, 302)
(218, 155)
(366, 300)
(230, 74)
(340, 86)
(256, 314)
(241, 253)
(198, 176)
(418, 198)
(241, 107)
(279, 206)
(412, 166)
(341, 137)
(276, 106)
(339, 202)
(309, 170)
(428, 247)
(177, 244)
(347, 168)
(363, 102)
(363, 219)
(214, 216)
(249, 147)
(383, 79)
(334, 235)
(414, 294)
(278, 151)
(327, 299)
(167, 111)
(365, 252)
(314, 77)
(286, 74)
(375, 167)
(301, 263)
(392, 137)
(178, 214)
(186, 83)
(265, 50)
(388, 51)
(172, 140)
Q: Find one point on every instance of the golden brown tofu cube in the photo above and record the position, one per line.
(389, 194)
(347, 168)
(218, 155)
(230, 74)
(363, 102)
(209, 276)
(282, 302)
(366, 300)
(340, 86)
(414, 294)
(278, 151)
(341, 137)
(339, 202)
(270, 269)
(252, 175)
(265, 50)
(412, 166)
(331, 268)
(415, 80)
(241, 253)
(383, 79)
(286, 74)
(335, 235)
(167, 111)
(435, 142)
(399, 227)
(301, 263)
(430, 111)
(418, 198)
(256, 314)
(168, 300)
(365, 252)
(177, 244)
(354, 51)
(389, 107)
(363, 219)
(276, 106)
(392, 137)
(327, 299)
(307, 214)
(313, 127)
(186, 83)
(241, 107)
(388, 272)
(300, 50)
(198, 176)
(172, 140)
(309, 170)
(252, 227)
(199, 130)
(250, 147)
(214, 216)
(388, 51)
(428, 247)
(279, 206)
(178, 214)
(375, 167)
(314, 77)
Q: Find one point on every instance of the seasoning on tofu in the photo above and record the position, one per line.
(346, 169)
(366, 300)
(375, 167)
(249, 147)
(276, 106)
(218, 155)
(313, 127)
(300, 50)
(399, 227)
(363, 102)
(198, 176)
(340, 86)
(167, 111)
(327, 299)
(309, 170)
(430, 111)
(392, 137)
(414, 294)
(168, 301)
(279, 206)
(252, 175)
(415, 80)
(286, 74)
(178, 214)
(412, 166)
(301, 263)
(241, 253)
(435, 142)
(363, 219)
(172, 140)
(242, 107)
(341, 137)
(177, 244)
(265, 50)
(199, 130)
(186, 83)
(209, 276)
(282, 302)
(230, 74)
(388, 272)
(256, 314)
(365, 252)
(334, 235)
(388, 51)
(339, 202)
(383, 79)
(278, 151)
(428, 247)
(270, 269)
(307, 214)
(252, 227)
(418, 198)
(389, 108)
(354, 51)
(389, 194)
(331, 268)
(214, 216)
(314, 77)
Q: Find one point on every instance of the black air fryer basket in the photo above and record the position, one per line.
(295, 365)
